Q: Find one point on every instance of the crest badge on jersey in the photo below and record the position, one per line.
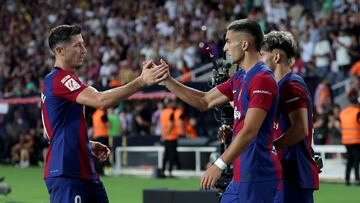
(72, 85)
(237, 114)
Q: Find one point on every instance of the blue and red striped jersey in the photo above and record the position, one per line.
(256, 88)
(64, 123)
(299, 168)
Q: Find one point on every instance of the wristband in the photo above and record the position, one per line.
(219, 163)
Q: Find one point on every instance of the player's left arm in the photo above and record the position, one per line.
(262, 91)
(298, 131)
(293, 99)
(253, 121)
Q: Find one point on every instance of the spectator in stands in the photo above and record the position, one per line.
(190, 127)
(185, 124)
(2, 81)
(155, 119)
(307, 49)
(3, 141)
(355, 69)
(323, 96)
(127, 119)
(333, 125)
(350, 130)
(142, 120)
(354, 49)
(322, 53)
(341, 43)
(21, 151)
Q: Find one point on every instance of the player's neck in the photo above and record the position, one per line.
(281, 71)
(61, 64)
(250, 60)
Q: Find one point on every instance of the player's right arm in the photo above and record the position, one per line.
(103, 100)
(198, 99)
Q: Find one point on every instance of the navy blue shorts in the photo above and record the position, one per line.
(75, 190)
(294, 194)
(252, 192)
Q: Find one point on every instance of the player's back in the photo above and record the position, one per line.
(64, 123)
(299, 167)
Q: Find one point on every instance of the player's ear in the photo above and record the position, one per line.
(277, 57)
(59, 50)
(245, 45)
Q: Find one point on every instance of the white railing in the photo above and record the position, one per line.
(205, 69)
(160, 152)
(334, 149)
(345, 83)
(322, 149)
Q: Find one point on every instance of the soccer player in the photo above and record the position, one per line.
(294, 123)
(69, 172)
(257, 170)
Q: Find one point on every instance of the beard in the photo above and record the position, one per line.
(239, 59)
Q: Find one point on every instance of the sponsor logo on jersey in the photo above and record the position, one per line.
(261, 92)
(292, 100)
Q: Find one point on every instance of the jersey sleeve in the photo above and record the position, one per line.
(67, 86)
(226, 88)
(262, 91)
(292, 96)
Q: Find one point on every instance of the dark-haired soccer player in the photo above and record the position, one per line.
(257, 170)
(69, 172)
(294, 123)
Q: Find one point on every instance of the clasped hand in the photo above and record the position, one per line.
(153, 73)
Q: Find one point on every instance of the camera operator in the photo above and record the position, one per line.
(255, 99)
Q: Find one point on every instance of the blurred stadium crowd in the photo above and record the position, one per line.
(119, 35)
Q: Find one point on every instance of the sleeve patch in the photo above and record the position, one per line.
(71, 84)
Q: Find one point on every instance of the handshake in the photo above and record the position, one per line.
(153, 73)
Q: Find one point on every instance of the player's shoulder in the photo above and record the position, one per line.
(62, 76)
(294, 81)
(266, 77)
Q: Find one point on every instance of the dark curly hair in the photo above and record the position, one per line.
(280, 40)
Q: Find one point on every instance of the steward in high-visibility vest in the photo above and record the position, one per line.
(100, 124)
(100, 134)
(171, 127)
(350, 126)
(350, 131)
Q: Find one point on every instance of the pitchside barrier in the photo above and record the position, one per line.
(149, 158)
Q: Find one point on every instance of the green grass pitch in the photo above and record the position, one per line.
(28, 187)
